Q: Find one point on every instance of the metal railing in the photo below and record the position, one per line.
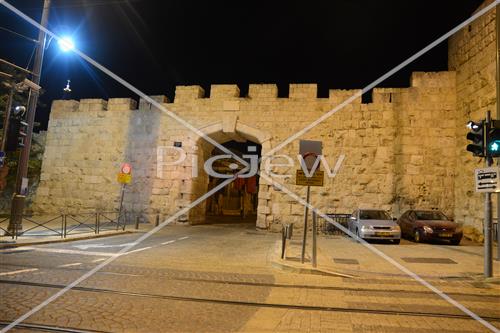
(329, 228)
(63, 225)
(111, 220)
(85, 221)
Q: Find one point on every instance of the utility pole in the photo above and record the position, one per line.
(18, 200)
(497, 23)
(488, 239)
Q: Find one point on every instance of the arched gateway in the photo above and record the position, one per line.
(240, 199)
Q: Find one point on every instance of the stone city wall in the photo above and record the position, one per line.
(399, 150)
(472, 56)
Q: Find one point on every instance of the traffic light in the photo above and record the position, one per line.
(16, 133)
(476, 135)
(493, 139)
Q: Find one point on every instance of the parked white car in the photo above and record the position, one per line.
(374, 224)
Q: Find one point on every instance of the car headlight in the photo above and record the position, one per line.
(396, 228)
(366, 227)
(428, 229)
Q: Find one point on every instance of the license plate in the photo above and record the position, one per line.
(383, 234)
(445, 234)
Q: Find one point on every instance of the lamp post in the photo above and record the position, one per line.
(18, 200)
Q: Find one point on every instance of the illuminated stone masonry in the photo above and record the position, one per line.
(400, 149)
(405, 149)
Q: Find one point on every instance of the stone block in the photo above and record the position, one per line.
(188, 93)
(265, 91)
(65, 106)
(338, 96)
(303, 91)
(121, 104)
(221, 91)
(145, 105)
(93, 104)
(231, 105)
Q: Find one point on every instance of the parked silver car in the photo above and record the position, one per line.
(374, 224)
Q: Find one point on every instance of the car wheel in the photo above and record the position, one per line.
(396, 241)
(417, 237)
(455, 241)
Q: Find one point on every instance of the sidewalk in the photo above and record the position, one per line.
(339, 255)
(55, 228)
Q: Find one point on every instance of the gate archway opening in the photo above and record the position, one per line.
(238, 201)
(238, 137)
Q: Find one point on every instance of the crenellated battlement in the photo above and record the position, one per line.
(231, 92)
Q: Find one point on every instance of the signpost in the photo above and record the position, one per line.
(487, 179)
(309, 150)
(316, 179)
(124, 178)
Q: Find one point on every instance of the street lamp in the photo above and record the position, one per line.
(66, 44)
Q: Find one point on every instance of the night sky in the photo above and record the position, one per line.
(156, 45)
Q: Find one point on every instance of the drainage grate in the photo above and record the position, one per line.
(417, 260)
(345, 261)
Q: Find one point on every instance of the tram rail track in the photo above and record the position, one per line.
(50, 328)
(279, 285)
(255, 304)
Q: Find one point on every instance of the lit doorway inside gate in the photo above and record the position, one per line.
(237, 201)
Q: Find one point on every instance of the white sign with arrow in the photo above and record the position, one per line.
(487, 179)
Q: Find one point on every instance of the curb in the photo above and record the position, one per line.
(64, 240)
(306, 270)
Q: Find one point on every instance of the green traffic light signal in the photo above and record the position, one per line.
(493, 147)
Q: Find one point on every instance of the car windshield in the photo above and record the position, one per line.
(430, 216)
(374, 215)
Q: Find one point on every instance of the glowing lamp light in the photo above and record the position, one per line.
(66, 44)
(494, 146)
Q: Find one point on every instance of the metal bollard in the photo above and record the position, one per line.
(136, 222)
(283, 241)
(62, 225)
(289, 230)
(157, 222)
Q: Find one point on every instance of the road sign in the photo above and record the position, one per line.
(2, 158)
(126, 168)
(487, 179)
(124, 178)
(315, 180)
(310, 150)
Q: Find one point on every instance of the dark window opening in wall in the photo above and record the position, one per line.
(367, 97)
(237, 202)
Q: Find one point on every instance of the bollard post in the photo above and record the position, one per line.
(65, 223)
(283, 241)
(136, 222)
(124, 220)
(62, 225)
(314, 241)
(97, 223)
(157, 223)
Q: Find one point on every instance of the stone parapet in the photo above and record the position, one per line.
(303, 91)
(222, 91)
(92, 104)
(121, 104)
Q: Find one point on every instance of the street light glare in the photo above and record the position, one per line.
(66, 44)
